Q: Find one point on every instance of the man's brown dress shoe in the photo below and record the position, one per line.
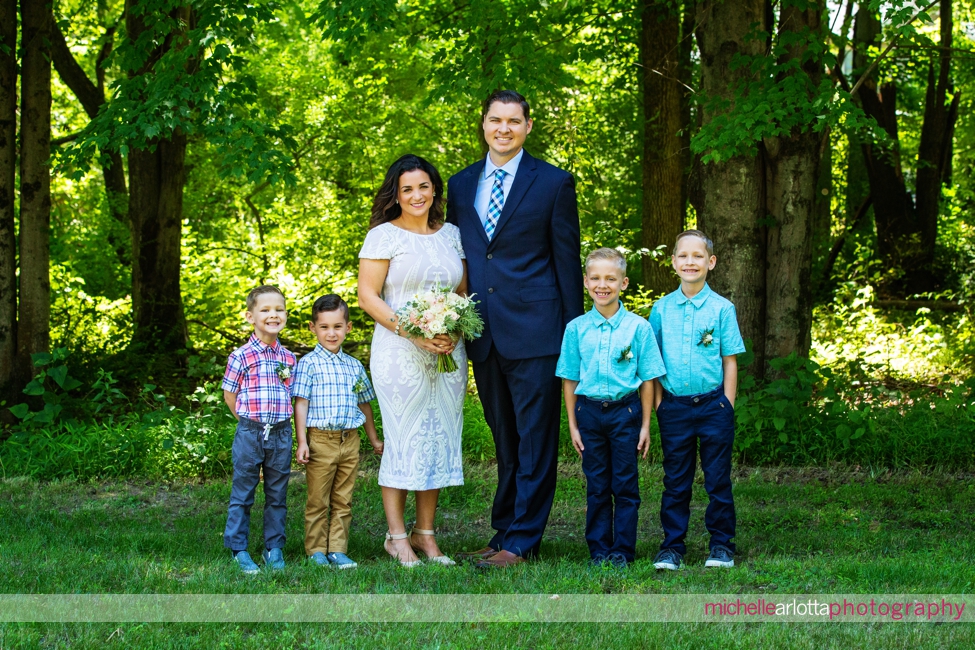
(501, 559)
(475, 556)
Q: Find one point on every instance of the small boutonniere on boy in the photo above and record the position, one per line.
(707, 337)
(283, 370)
(359, 386)
(625, 355)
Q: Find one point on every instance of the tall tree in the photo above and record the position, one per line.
(173, 61)
(157, 176)
(8, 164)
(791, 173)
(907, 225)
(33, 329)
(663, 145)
(729, 196)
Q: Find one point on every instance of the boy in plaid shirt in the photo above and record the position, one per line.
(256, 387)
(332, 394)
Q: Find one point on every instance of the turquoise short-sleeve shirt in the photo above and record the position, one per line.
(609, 358)
(693, 335)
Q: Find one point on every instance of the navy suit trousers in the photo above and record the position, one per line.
(610, 432)
(684, 421)
(522, 405)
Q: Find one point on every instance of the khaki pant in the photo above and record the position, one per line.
(331, 471)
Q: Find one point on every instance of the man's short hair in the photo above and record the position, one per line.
(329, 302)
(260, 291)
(506, 97)
(608, 254)
(695, 233)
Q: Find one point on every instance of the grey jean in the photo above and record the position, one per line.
(251, 454)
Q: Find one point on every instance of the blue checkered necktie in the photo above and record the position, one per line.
(496, 204)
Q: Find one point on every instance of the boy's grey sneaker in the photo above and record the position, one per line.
(597, 560)
(721, 556)
(319, 559)
(273, 559)
(246, 564)
(669, 559)
(341, 561)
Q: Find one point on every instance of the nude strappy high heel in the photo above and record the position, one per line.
(390, 536)
(439, 559)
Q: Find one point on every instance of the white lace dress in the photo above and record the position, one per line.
(422, 410)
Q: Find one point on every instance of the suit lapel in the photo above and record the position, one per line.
(470, 194)
(523, 181)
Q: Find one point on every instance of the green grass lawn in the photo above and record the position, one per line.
(811, 531)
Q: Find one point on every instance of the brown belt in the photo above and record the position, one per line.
(336, 433)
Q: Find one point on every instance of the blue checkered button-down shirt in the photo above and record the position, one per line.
(328, 381)
(592, 349)
(682, 326)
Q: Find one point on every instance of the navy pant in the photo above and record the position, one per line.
(251, 454)
(685, 420)
(610, 432)
(522, 405)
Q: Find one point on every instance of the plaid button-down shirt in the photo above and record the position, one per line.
(252, 373)
(334, 385)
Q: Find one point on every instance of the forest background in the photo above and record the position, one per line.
(159, 158)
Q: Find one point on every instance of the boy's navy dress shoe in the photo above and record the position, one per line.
(273, 558)
(246, 564)
(341, 561)
(318, 558)
(721, 556)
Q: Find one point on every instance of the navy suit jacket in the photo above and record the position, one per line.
(528, 277)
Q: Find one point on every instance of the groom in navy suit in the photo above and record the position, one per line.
(519, 225)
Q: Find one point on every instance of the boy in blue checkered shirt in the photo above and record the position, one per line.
(332, 394)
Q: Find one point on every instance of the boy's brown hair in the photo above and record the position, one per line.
(260, 291)
(695, 233)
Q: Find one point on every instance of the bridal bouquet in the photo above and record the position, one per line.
(439, 311)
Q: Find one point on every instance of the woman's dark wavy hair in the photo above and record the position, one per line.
(384, 206)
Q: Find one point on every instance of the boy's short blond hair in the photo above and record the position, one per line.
(608, 254)
(695, 233)
(260, 291)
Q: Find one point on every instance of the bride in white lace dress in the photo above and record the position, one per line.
(410, 249)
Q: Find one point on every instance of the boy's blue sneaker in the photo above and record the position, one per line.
(273, 559)
(618, 560)
(341, 561)
(246, 564)
(721, 556)
(597, 560)
(669, 559)
(319, 559)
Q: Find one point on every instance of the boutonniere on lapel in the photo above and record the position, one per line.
(359, 386)
(625, 355)
(707, 337)
(283, 371)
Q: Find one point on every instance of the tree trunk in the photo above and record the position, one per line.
(866, 30)
(663, 169)
(792, 167)
(8, 164)
(92, 97)
(156, 179)
(731, 203)
(931, 156)
(34, 326)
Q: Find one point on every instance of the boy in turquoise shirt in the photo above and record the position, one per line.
(609, 357)
(697, 331)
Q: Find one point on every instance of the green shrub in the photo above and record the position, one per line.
(812, 415)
